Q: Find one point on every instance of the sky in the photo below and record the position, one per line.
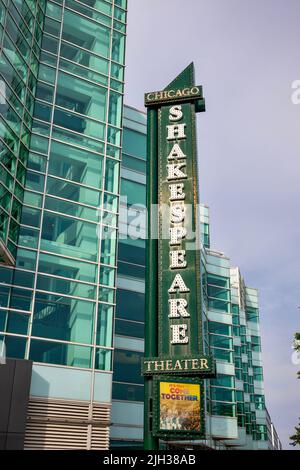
(246, 56)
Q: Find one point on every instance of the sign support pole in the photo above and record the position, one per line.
(151, 442)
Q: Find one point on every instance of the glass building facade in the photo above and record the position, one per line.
(61, 85)
(236, 415)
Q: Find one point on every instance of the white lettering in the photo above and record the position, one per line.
(176, 191)
(177, 259)
(177, 213)
(176, 131)
(174, 171)
(177, 308)
(178, 284)
(175, 113)
(176, 152)
(179, 334)
(176, 235)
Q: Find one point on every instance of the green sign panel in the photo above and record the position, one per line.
(174, 342)
(195, 365)
(189, 93)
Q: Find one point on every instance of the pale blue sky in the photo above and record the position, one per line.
(246, 55)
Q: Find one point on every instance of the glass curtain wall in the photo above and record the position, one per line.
(57, 305)
(128, 383)
(21, 26)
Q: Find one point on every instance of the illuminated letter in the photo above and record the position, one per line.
(174, 171)
(178, 284)
(176, 235)
(176, 131)
(177, 308)
(179, 334)
(175, 113)
(176, 191)
(177, 213)
(177, 259)
(176, 152)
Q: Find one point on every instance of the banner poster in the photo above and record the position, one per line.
(179, 406)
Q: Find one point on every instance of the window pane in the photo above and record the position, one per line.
(15, 346)
(222, 394)
(69, 208)
(103, 359)
(130, 305)
(86, 33)
(63, 286)
(75, 164)
(91, 61)
(60, 353)
(63, 318)
(74, 192)
(135, 192)
(134, 143)
(105, 325)
(127, 392)
(220, 328)
(127, 366)
(69, 236)
(69, 268)
(128, 328)
(132, 252)
(12, 322)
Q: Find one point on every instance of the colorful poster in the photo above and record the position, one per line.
(179, 406)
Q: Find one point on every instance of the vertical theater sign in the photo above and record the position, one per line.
(174, 365)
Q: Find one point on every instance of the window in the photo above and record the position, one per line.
(13, 322)
(220, 328)
(134, 143)
(85, 33)
(252, 314)
(222, 355)
(60, 353)
(85, 58)
(73, 192)
(63, 318)
(135, 164)
(105, 325)
(257, 373)
(130, 328)
(129, 392)
(255, 343)
(259, 402)
(128, 366)
(130, 305)
(132, 251)
(64, 267)
(68, 236)
(261, 432)
(222, 394)
(223, 381)
(81, 96)
(64, 286)
(218, 292)
(221, 342)
(76, 164)
(222, 409)
(15, 346)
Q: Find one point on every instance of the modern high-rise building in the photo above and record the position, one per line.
(61, 89)
(236, 415)
(72, 298)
